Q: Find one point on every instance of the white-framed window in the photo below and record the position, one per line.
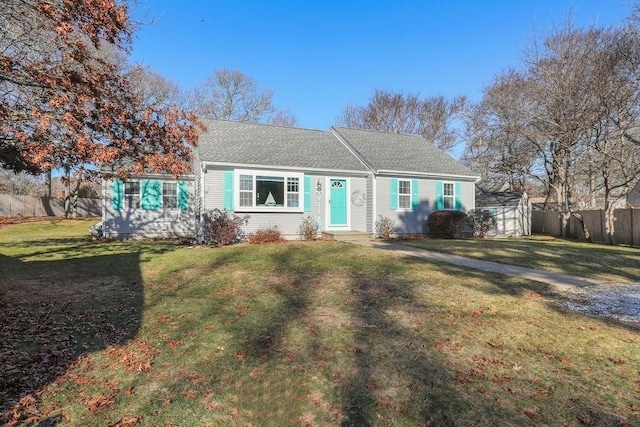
(132, 194)
(268, 190)
(448, 195)
(404, 194)
(170, 195)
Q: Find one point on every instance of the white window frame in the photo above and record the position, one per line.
(406, 195)
(129, 197)
(452, 196)
(254, 173)
(177, 195)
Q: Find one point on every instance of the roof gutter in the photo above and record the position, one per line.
(475, 178)
(287, 168)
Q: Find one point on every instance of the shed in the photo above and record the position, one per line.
(511, 209)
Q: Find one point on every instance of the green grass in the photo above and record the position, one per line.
(611, 263)
(292, 334)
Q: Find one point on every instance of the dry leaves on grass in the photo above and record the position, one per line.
(128, 421)
(136, 357)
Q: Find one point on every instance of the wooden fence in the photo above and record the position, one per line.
(627, 225)
(11, 205)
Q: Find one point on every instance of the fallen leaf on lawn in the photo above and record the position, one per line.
(98, 402)
(129, 421)
(531, 413)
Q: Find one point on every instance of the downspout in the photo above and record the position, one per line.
(104, 206)
(203, 172)
(374, 208)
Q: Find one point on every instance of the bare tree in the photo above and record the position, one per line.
(436, 120)
(20, 184)
(433, 118)
(497, 136)
(232, 95)
(569, 119)
(152, 88)
(284, 118)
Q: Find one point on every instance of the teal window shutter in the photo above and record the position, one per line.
(183, 195)
(228, 190)
(439, 195)
(151, 194)
(394, 194)
(118, 194)
(307, 193)
(457, 188)
(415, 195)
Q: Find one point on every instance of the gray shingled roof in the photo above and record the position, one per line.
(486, 199)
(402, 153)
(256, 144)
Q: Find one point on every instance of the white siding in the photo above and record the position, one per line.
(288, 222)
(370, 224)
(139, 223)
(415, 221)
(359, 213)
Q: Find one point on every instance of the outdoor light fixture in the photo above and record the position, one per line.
(318, 186)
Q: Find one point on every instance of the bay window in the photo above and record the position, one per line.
(268, 190)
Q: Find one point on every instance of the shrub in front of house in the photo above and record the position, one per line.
(266, 235)
(446, 224)
(223, 228)
(308, 229)
(481, 221)
(385, 227)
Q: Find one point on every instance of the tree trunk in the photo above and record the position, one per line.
(74, 200)
(583, 226)
(67, 195)
(47, 183)
(609, 219)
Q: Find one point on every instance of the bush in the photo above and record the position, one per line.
(482, 222)
(385, 227)
(223, 228)
(267, 235)
(446, 224)
(308, 230)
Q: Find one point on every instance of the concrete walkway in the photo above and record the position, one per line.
(562, 282)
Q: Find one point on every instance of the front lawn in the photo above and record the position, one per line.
(611, 263)
(155, 333)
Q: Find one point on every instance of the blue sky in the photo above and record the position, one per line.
(317, 56)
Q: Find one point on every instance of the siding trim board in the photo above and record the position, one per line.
(322, 171)
(463, 178)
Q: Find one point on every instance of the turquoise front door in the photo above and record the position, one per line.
(338, 201)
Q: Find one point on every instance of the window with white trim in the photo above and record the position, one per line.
(404, 194)
(448, 195)
(170, 195)
(246, 190)
(131, 194)
(269, 190)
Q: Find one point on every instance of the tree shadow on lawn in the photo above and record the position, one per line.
(588, 260)
(392, 365)
(53, 311)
